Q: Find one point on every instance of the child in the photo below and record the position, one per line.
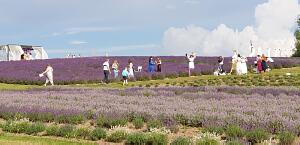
(125, 76)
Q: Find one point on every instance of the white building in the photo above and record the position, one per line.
(13, 52)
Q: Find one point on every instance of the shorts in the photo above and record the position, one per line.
(125, 77)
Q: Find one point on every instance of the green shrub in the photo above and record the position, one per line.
(195, 121)
(15, 127)
(98, 134)
(182, 141)
(214, 129)
(74, 119)
(66, 131)
(234, 142)
(181, 119)
(257, 136)
(117, 136)
(154, 124)
(157, 139)
(234, 132)
(52, 130)
(82, 133)
(207, 141)
(286, 138)
(43, 117)
(136, 139)
(35, 128)
(119, 122)
(138, 122)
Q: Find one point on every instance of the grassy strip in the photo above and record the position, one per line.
(11, 139)
(293, 71)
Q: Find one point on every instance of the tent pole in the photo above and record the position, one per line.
(8, 51)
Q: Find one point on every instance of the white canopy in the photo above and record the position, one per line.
(14, 52)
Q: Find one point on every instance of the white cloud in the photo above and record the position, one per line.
(275, 23)
(76, 42)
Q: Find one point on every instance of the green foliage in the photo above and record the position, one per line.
(66, 131)
(136, 139)
(182, 141)
(207, 141)
(234, 132)
(286, 138)
(82, 133)
(154, 124)
(35, 128)
(98, 134)
(102, 121)
(52, 130)
(74, 119)
(214, 129)
(157, 139)
(138, 122)
(257, 136)
(15, 126)
(234, 142)
(117, 136)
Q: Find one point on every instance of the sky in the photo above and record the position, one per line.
(147, 27)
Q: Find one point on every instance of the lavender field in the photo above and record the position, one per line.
(274, 109)
(89, 70)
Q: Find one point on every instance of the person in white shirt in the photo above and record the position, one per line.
(191, 59)
(49, 75)
(106, 71)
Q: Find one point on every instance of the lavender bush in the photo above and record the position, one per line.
(270, 108)
(87, 70)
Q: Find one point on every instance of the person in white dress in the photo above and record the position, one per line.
(234, 62)
(239, 65)
(130, 69)
(191, 58)
(244, 65)
(48, 73)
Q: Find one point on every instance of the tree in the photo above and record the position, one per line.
(297, 36)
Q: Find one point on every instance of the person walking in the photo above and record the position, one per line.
(115, 68)
(125, 75)
(49, 75)
(191, 58)
(158, 64)
(106, 71)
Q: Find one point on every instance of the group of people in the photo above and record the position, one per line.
(129, 70)
(239, 65)
(261, 63)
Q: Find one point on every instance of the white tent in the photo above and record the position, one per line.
(14, 52)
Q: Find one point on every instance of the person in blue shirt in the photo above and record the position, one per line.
(151, 65)
(125, 75)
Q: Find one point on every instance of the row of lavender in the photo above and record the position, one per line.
(274, 109)
(84, 70)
